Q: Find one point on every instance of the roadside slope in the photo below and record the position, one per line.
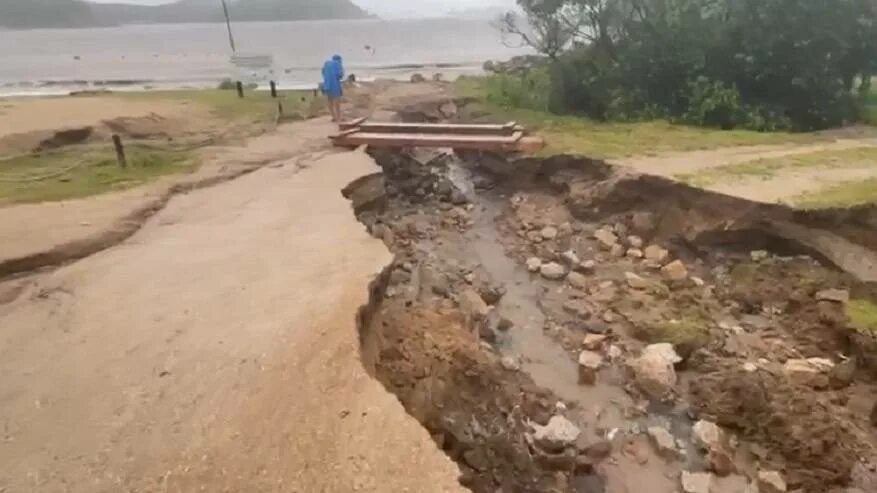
(214, 350)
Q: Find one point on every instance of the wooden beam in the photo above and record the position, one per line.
(510, 143)
(437, 128)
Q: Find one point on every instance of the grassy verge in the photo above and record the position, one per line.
(256, 106)
(769, 168)
(570, 134)
(863, 316)
(846, 194)
(75, 174)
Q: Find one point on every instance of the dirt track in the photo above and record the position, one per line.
(215, 350)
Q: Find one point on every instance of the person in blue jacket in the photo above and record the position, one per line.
(333, 75)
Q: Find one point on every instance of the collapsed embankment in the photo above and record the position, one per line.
(516, 281)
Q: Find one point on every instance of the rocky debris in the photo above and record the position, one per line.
(656, 254)
(598, 451)
(759, 255)
(653, 371)
(548, 233)
(663, 440)
(473, 305)
(707, 435)
(558, 434)
(577, 280)
(635, 253)
(491, 294)
(643, 223)
(811, 372)
(636, 281)
(565, 229)
(510, 363)
(504, 324)
(614, 353)
(596, 327)
(606, 238)
(534, 264)
(834, 295)
(552, 271)
(675, 271)
(589, 364)
(843, 373)
(578, 308)
(588, 266)
(696, 482)
(697, 281)
(635, 241)
(570, 258)
(594, 342)
(864, 475)
(771, 482)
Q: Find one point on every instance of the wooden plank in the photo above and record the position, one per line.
(454, 141)
(352, 123)
(439, 128)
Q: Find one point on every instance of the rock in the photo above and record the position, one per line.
(400, 276)
(473, 305)
(675, 271)
(771, 482)
(589, 364)
(835, 295)
(812, 372)
(864, 475)
(418, 78)
(643, 223)
(598, 451)
(552, 271)
(577, 280)
(588, 266)
(654, 373)
(570, 258)
(609, 316)
(596, 327)
(697, 281)
(594, 342)
(548, 233)
(759, 255)
(504, 324)
(534, 264)
(492, 294)
(614, 353)
(565, 229)
(842, 374)
(663, 440)
(510, 363)
(635, 253)
(665, 349)
(617, 250)
(534, 236)
(750, 367)
(721, 463)
(696, 482)
(707, 435)
(476, 459)
(635, 241)
(558, 434)
(635, 281)
(656, 253)
(606, 238)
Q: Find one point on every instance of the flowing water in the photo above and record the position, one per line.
(198, 55)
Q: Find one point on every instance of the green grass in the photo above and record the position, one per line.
(256, 106)
(845, 194)
(766, 169)
(571, 134)
(98, 173)
(863, 316)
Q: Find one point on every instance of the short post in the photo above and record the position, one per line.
(273, 89)
(120, 151)
(240, 88)
(280, 108)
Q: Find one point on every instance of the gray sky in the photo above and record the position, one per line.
(390, 8)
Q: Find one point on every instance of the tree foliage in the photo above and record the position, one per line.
(764, 64)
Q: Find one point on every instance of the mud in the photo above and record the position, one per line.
(478, 349)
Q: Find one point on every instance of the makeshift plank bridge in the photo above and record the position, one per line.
(508, 137)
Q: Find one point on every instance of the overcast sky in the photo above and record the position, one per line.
(390, 8)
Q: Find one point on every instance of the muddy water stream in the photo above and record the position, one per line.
(605, 407)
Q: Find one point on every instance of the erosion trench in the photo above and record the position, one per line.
(525, 319)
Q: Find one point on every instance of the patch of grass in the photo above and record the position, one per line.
(863, 316)
(571, 134)
(95, 172)
(846, 194)
(688, 333)
(256, 106)
(766, 169)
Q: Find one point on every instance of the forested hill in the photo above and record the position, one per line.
(28, 14)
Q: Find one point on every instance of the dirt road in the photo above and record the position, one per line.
(215, 350)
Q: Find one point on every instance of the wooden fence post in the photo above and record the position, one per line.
(240, 88)
(273, 89)
(120, 151)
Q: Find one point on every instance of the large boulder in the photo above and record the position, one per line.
(558, 434)
(552, 271)
(811, 372)
(589, 365)
(653, 371)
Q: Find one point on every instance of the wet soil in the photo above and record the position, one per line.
(483, 352)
